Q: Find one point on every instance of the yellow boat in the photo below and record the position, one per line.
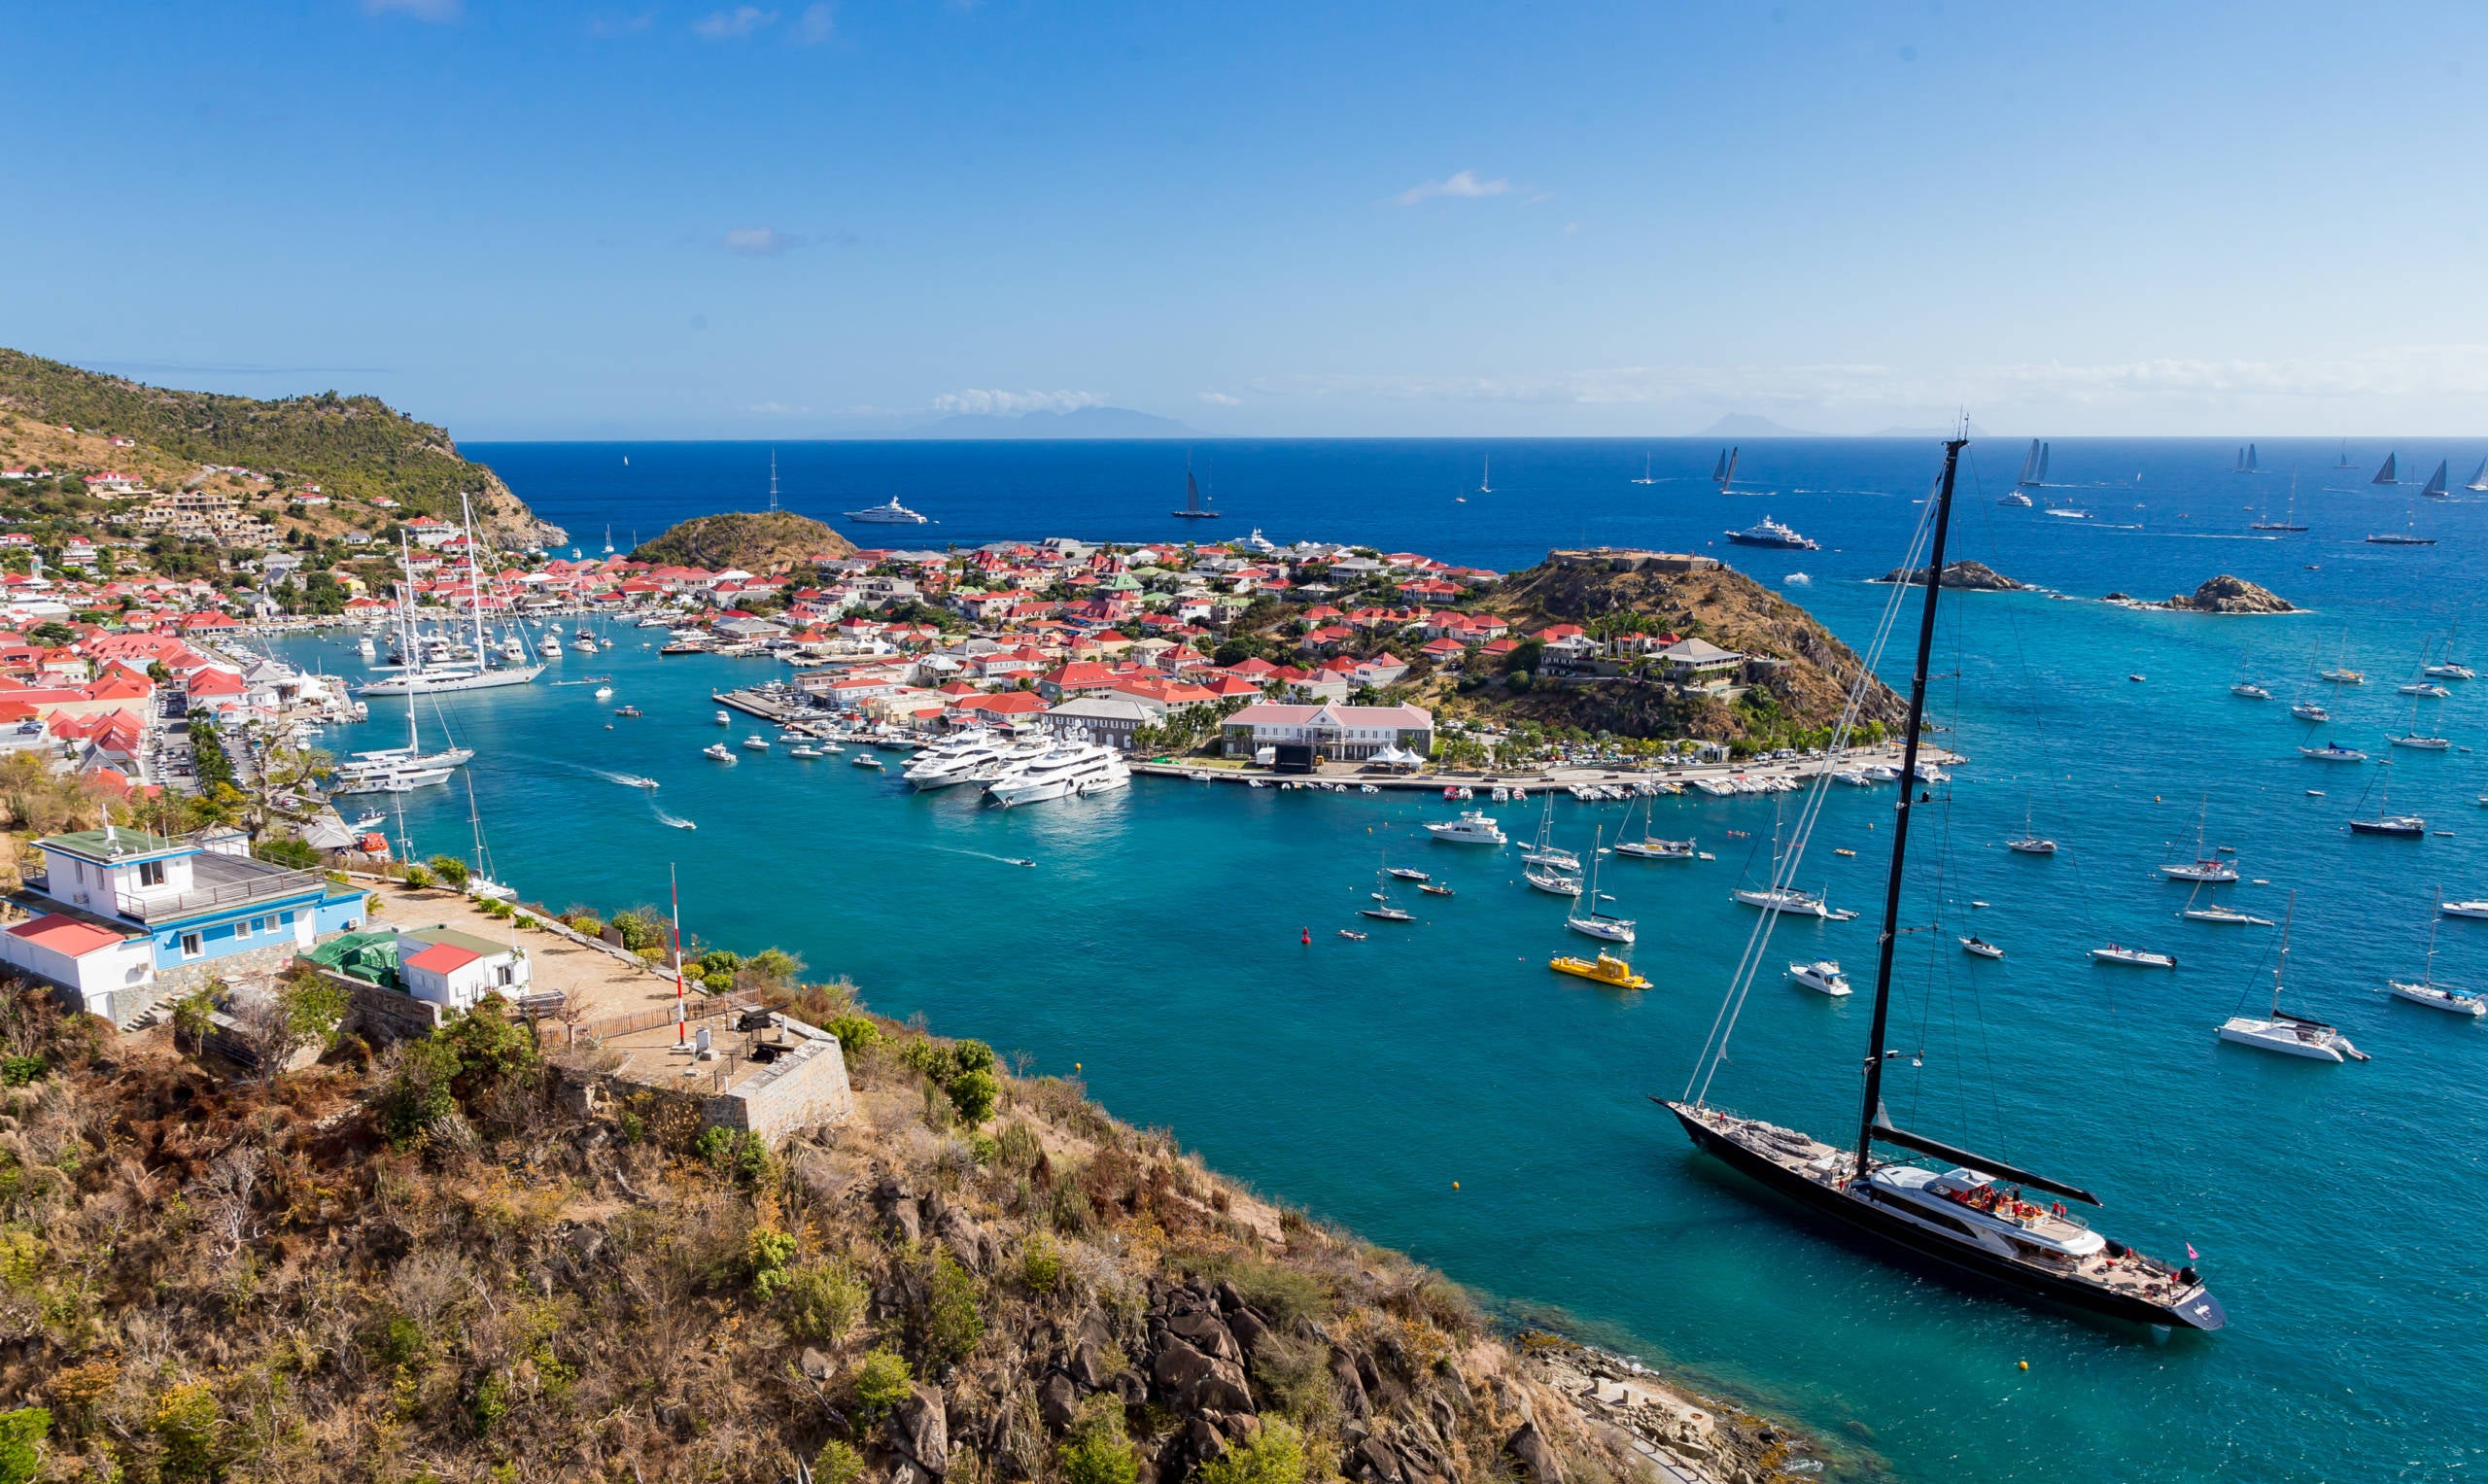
(1614, 972)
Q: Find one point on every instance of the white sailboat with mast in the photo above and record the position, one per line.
(1598, 921)
(2279, 1030)
(2427, 991)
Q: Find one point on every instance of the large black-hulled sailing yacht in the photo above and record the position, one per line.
(1977, 1213)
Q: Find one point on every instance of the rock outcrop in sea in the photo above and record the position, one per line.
(2225, 593)
(1972, 576)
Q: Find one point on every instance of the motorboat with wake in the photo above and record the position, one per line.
(1971, 1212)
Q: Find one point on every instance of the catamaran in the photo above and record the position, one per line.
(2291, 1035)
(1972, 1212)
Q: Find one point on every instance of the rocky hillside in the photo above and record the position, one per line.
(756, 541)
(1723, 606)
(353, 447)
(437, 1262)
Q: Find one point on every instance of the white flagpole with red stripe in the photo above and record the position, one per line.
(674, 888)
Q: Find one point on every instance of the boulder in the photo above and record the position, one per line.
(1229, 1299)
(2225, 593)
(1373, 1459)
(1248, 1329)
(1352, 1393)
(900, 1217)
(1089, 1366)
(1969, 576)
(815, 1365)
(1530, 1449)
(920, 1430)
(1194, 1382)
(967, 1241)
(1058, 1404)
(1204, 1332)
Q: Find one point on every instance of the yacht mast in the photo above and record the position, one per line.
(474, 581)
(1871, 1113)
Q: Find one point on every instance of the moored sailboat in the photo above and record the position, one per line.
(1972, 1212)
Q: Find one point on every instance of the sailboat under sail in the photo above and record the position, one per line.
(2384, 473)
(2434, 489)
(1194, 507)
(2480, 480)
(1972, 1212)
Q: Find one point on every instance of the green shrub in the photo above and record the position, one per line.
(1098, 1451)
(1273, 1456)
(451, 871)
(837, 1463)
(854, 1032)
(631, 1126)
(400, 1342)
(18, 1071)
(1041, 1263)
(738, 1153)
(418, 878)
(822, 1301)
(190, 1431)
(1017, 1148)
(491, 1403)
(976, 1094)
(21, 1461)
(586, 923)
(953, 1317)
(882, 1382)
(768, 1251)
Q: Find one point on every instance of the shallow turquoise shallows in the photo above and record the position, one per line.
(1156, 944)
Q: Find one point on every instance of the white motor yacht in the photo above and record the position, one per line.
(1472, 828)
(865, 759)
(718, 751)
(1069, 771)
(755, 742)
(2426, 688)
(1822, 974)
(2138, 958)
(2449, 670)
(725, 719)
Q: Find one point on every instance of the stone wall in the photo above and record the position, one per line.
(132, 1004)
(802, 1089)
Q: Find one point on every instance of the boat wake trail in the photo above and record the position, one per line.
(626, 780)
(675, 821)
(1004, 860)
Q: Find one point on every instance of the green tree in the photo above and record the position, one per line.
(882, 1382)
(450, 869)
(53, 634)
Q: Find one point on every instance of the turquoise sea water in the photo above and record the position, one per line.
(1156, 944)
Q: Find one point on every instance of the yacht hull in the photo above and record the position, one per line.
(2199, 1312)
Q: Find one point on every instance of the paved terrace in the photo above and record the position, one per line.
(602, 982)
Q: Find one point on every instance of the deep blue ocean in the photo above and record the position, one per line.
(2336, 1208)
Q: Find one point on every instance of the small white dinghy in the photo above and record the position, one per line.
(1822, 974)
(1974, 943)
(2139, 958)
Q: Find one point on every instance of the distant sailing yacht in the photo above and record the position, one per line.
(1724, 473)
(2246, 463)
(1648, 478)
(2435, 488)
(1486, 477)
(2034, 474)
(2480, 480)
(1970, 1210)
(1193, 509)
(2345, 456)
(2289, 517)
(2384, 473)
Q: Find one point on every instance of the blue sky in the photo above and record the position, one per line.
(800, 219)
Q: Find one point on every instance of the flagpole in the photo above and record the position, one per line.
(674, 888)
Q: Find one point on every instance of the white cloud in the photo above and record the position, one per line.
(1221, 399)
(1463, 185)
(1012, 403)
(761, 241)
(420, 10)
(816, 25)
(733, 24)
